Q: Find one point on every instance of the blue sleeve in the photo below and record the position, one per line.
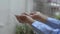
(55, 23)
(43, 28)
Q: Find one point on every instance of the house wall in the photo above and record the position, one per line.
(8, 10)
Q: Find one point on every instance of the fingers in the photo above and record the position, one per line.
(32, 13)
(25, 14)
(25, 17)
(17, 17)
(21, 18)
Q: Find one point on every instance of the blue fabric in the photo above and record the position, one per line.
(47, 28)
(54, 23)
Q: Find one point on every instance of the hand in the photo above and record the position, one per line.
(38, 16)
(25, 19)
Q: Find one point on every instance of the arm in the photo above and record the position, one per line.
(45, 29)
(38, 26)
(53, 22)
(49, 21)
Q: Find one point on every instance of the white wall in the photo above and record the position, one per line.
(30, 4)
(4, 11)
(16, 8)
(9, 8)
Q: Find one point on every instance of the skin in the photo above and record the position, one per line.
(25, 19)
(30, 18)
(38, 16)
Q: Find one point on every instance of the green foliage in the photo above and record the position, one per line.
(58, 17)
(24, 29)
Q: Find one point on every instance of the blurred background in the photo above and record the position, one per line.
(9, 8)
